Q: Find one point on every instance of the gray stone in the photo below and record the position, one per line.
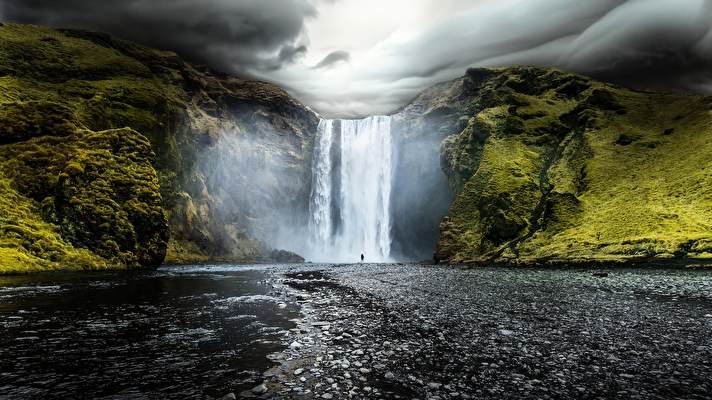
(259, 389)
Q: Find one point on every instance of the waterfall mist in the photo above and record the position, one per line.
(257, 187)
(350, 202)
(334, 191)
(247, 190)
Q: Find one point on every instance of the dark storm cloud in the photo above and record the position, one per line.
(640, 43)
(648, 44)
(333, 58)
(227, 34)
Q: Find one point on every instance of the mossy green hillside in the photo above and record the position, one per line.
(90, 194)
(66, 97)
(542, 164)
(550, 165)
(30, 244)
(87, 200)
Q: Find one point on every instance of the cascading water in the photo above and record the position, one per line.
(320, 207)
(351, 190)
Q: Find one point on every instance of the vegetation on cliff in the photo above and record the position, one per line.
(100, 145)
(547, 165)
(76, 193)
(88, 200)
(115, 155)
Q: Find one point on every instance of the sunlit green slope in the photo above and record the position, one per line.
(103, 146)
(549, 165)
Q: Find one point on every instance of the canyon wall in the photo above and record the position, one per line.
(116, 155)
(545, 165)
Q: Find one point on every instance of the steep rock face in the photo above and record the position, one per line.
(108, 148)
(549, 165)
(102, 141)
(421, 192)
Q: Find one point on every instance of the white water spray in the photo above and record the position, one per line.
(320, 208)
(351, 191)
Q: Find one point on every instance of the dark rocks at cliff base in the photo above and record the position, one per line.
(409, 331)
(284, 256)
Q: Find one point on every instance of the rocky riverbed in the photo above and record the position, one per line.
(410, 331)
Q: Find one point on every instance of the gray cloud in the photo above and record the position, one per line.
(640, 43)
(333, 58)
(652, 43)
(228, 35)
(655, 44)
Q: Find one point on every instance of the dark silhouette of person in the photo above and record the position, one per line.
(361, 257)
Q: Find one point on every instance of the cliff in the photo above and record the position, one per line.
(114, 155)
(546, 165)
(108, 149)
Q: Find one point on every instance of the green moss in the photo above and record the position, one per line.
(29, 244)
(23, 120)
(66, 97)
(46, 54)
(99, 190)
(642, 200)
(494, 205)
(554, 179)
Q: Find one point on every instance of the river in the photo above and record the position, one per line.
(178, 332)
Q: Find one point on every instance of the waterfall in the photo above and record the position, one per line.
(349, 210)
(320, 221)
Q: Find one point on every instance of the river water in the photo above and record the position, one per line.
(179, 332)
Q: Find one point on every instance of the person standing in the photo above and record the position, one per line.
(361, 257)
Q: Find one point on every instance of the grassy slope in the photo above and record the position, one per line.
(554, 166)
(29, 244)
(58, 87)
(74, 193)
(89, 190)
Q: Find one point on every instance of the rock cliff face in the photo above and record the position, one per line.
(546, 165)
(108, 148)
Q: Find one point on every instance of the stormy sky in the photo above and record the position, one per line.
(360, 57)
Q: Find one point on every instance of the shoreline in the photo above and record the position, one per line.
(646, 263)
(660, 263)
